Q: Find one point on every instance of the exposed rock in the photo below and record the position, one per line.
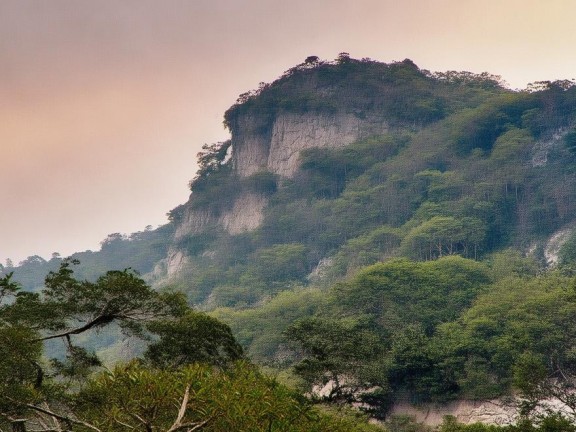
(259, 143)
(175, 262)
(250, 145)
(246, 214)
(194, 221)
(321, 270)
(554, 245)
(277, 148)
(494, 412)
(542, 148)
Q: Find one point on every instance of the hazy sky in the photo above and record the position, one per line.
(104, 104)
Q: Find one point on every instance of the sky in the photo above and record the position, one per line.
(105, 104)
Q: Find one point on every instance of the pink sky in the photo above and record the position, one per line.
(104, 104)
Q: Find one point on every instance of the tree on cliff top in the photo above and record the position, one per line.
(211, 160)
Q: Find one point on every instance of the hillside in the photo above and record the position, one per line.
(407, 229)
(337, 165)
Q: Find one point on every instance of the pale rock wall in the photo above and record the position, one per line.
(250, 145)
(542, 148)
(493, 412)
(501, 412)
(246, 214)
(261, 143)
(555, 243)
(194, 221)
(175, 261)
(277, 148)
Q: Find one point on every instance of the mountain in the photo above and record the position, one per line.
(427, 218)
(337, 165)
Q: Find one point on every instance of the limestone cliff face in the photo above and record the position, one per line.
(276, 148)
(245, 214)
(263, 144)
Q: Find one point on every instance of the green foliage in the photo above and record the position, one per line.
(139, 251)
(567, 252)
(401, 91)
(510, 263)
(516, 321)
(459, 175)
(337, 353)
(325, 172)
(189, 382)
(443, 235)
(282, 262)
(210, 162)
(262, 182)
(261, 329)
(193, 338)
(481, 127)
(397, 293)
(199, 396)
(367, 249)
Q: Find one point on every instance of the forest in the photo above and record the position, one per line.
(416, 265)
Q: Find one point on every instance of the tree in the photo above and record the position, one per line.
(443, 235)
(198, 397)
(186, 388)
(67, 307)
(192, 338)
(210, 161)
(340, 353)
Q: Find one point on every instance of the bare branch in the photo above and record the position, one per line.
(121, 423)
(98, 321)
(62, 417)
(191, 427)
(181, 411)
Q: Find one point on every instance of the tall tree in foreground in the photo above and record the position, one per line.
(191, 378)
(66, 308)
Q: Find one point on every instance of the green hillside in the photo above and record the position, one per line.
(431, 262)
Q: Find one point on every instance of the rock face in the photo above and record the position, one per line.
(262, 144)
(555, 243)
(245, 214)
(493, 412)
(257, 145)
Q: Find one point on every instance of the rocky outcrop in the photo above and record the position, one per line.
(245, 214)
(555, 243)
(260, 143)
(175, 261)
(494, 412)
(275, 146)
(542, 148)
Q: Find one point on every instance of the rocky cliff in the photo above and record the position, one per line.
(270, 136)
(276, 148)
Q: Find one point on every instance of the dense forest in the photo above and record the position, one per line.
(430, 263)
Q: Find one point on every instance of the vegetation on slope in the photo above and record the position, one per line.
(191, 377)
(397, 265)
